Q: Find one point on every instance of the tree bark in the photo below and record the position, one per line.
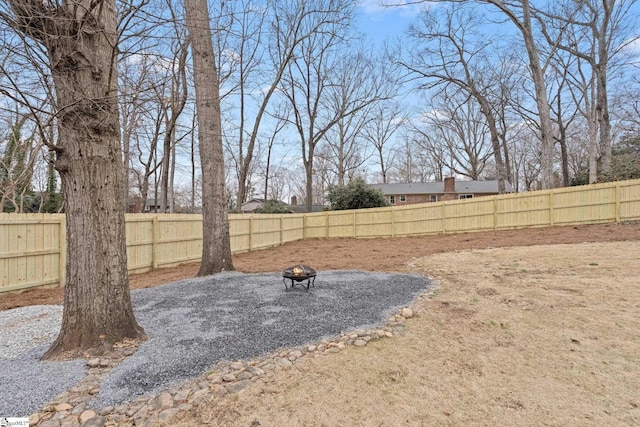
(216, 244)
(81, 41)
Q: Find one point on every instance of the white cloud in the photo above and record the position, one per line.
(633, 46)
(402, 7)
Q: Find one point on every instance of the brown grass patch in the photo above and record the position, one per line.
(543, 335)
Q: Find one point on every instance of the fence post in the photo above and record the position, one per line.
(304, 227)
(393, 222)
(250, 232)
(617, 195)
(355, 231)
(62, 259)
(443, 216)
(551, 214)
(495, 212)
(281, 232)
(326, 225)
(155, 234)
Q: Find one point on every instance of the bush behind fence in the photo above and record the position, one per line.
(33, 246)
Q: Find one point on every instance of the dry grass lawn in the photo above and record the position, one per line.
(518, 336)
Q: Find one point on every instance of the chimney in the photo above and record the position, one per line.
(449, 185)
(294, 201)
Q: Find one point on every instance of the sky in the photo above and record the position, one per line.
(379, 20)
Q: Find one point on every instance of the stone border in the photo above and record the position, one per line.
(70, 409)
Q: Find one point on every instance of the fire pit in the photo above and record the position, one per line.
(297, 274)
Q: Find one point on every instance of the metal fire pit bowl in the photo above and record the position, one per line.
(297, 274)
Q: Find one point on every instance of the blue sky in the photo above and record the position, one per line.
(380, 21)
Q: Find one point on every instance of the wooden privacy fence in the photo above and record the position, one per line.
(33, 246)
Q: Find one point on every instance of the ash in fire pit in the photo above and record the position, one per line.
(297, 274)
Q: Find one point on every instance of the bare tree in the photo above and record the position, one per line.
(412, 164)
(216, 244)
(18, 156)
(358, 79)
(595, 32)
(80, 38)
(521, 14)
(455, 133)
(174, 106)
(309, 79)
(450, 53)
(386, 119)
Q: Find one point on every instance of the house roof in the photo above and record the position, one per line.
(438, 187)
(303, 208)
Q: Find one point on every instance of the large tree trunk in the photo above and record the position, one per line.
(216, 246)
(81, 41)
(547, 152)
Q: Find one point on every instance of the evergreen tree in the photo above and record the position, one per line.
(355, 195)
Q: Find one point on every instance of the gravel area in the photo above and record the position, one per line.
(192, 325)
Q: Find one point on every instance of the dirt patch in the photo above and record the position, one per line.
(389, 254)
(527, 327)
(543, 335)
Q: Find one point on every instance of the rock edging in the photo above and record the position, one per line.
(71, 409)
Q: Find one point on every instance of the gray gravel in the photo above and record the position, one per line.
(192, 325)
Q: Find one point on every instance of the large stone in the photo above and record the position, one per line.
(167, 413)
(87, 415)
(164, 401)
(93, 363)
(217, 390)
(255, 371)
(407, 313)
(285, 363)
(237, 386)
(34, 419)
(70, 422)
(245, 375)
(360, 343)
(228, 378)
(215, 378)
(98, 421)
(236, 366)
(181, 396)
(295, 354)
(63, 407)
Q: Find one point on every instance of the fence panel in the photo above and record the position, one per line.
(292, 227)
(595, 204)
(420, 219)
(316, 225)
(374, 222)
(240, 232)
(628, 201)
(178, 239)
(468, 215)
(33, 246)
(140, 238)
(341, 224)
(530, 210)
(265, 231)
(30, 253)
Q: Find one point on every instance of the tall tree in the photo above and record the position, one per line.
(452, 55)
(313, 74)
(595, 32)
(80, 38)
(386, 119)
(216, 244)
(521, 14)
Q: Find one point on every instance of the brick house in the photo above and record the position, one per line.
(253, 204)
(450, 189)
